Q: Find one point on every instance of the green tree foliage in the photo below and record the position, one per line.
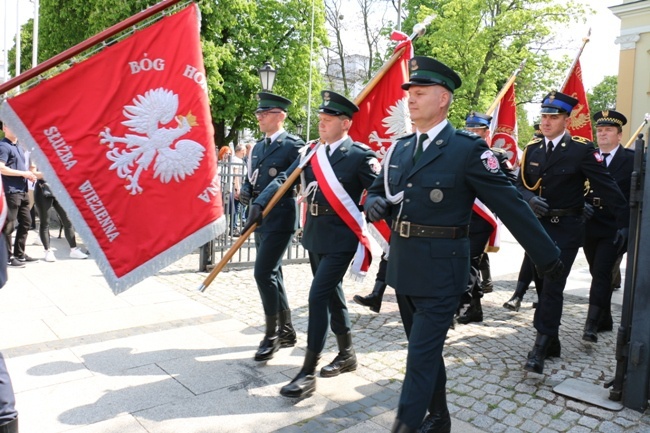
(26, 32)
(602, 97)
(238, 36)
(486, 40)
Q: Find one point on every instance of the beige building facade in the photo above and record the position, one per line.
(633, 92)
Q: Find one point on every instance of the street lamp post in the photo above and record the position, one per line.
(267, 76)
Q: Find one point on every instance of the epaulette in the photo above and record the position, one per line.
(406, 137)
(581, 140)
(534, 141)
(467, 134)
(361, 145)
(294, 137)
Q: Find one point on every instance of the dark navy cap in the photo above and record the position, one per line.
(609, 117)
(267, 101)
(426, 71)
(558, 103)
(477, 120)
(336, 105)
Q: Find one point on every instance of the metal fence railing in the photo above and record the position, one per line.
(232, 175)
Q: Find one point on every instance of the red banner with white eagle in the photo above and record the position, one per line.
(383, 113)
(580, 122)
(503, 128)
(125, 138)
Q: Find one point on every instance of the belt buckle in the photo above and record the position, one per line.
(595, 201)
(405, 229)
(313, 209)
(555, 219)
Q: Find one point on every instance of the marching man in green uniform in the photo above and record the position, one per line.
(428, 184)
(271, 156)
(552, 178)
(334, 234)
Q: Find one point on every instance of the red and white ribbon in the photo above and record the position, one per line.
(485, 213)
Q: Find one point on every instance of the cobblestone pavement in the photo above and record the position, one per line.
(487, 386)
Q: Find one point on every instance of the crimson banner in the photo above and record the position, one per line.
(504, 126)
(580, 123)
(383, 114)
(125, 138)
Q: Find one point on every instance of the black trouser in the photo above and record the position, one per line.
(43, 205)
(7, 399)
(426, 322)
(326, 298)
(601, 254)
(19, 218)
(268, 270)
(551, 297)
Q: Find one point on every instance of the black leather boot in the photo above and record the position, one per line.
(400, 427)
(535, 362)
(514, 303)
(474, 312)
(271, 343)
(591, 324)
(554, 348)
(438, 419)
(373, 300)
(486, 274)
(10, 427)
(345, 361)
(286, 333)
(605, 321)
(304, 384)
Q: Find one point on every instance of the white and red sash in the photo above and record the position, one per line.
(346, 209)
(485, 213)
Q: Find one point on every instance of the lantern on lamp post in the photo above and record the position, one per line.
(267, 76)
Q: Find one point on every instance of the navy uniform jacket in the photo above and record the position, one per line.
(603, 223)
(278, 157)
(353, 165)
(439, 191)
(562, 185)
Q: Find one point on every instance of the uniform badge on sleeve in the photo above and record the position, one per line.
(598, 157)
(375, 165)
(490, 162)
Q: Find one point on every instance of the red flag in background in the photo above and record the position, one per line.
(503, 128)
(126, 140)
(580, 123)
(383, 114)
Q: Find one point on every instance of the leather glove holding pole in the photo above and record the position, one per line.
(539, 206)
(376, 208)
(255, 217)
(620, 239)
(250, 228)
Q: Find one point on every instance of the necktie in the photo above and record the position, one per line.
(267, 143)
(327, 150)
(549, 150)
(420, 148)
(605, 155)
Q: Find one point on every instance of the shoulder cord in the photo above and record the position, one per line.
(399, 197)
(523, 174)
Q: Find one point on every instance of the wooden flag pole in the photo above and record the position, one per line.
(286, 186)
(418, 30)
(638, 131)
(575, 61)
(88, 43)
(505, 88)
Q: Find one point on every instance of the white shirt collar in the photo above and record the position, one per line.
(432, 133)
(336, 144)
(276, 134)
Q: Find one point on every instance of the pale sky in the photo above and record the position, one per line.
(599, 58)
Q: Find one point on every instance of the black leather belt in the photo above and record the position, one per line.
(316, 209)
(406, 230)
(596, 201)
(564, 212)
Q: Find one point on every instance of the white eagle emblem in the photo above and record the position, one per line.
(397, 124)
(157, 107)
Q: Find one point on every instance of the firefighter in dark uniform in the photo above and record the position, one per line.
(479, 231)
(427, 185)
(328, 238)
(271, 156)
(599, 248)
(552, 179)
